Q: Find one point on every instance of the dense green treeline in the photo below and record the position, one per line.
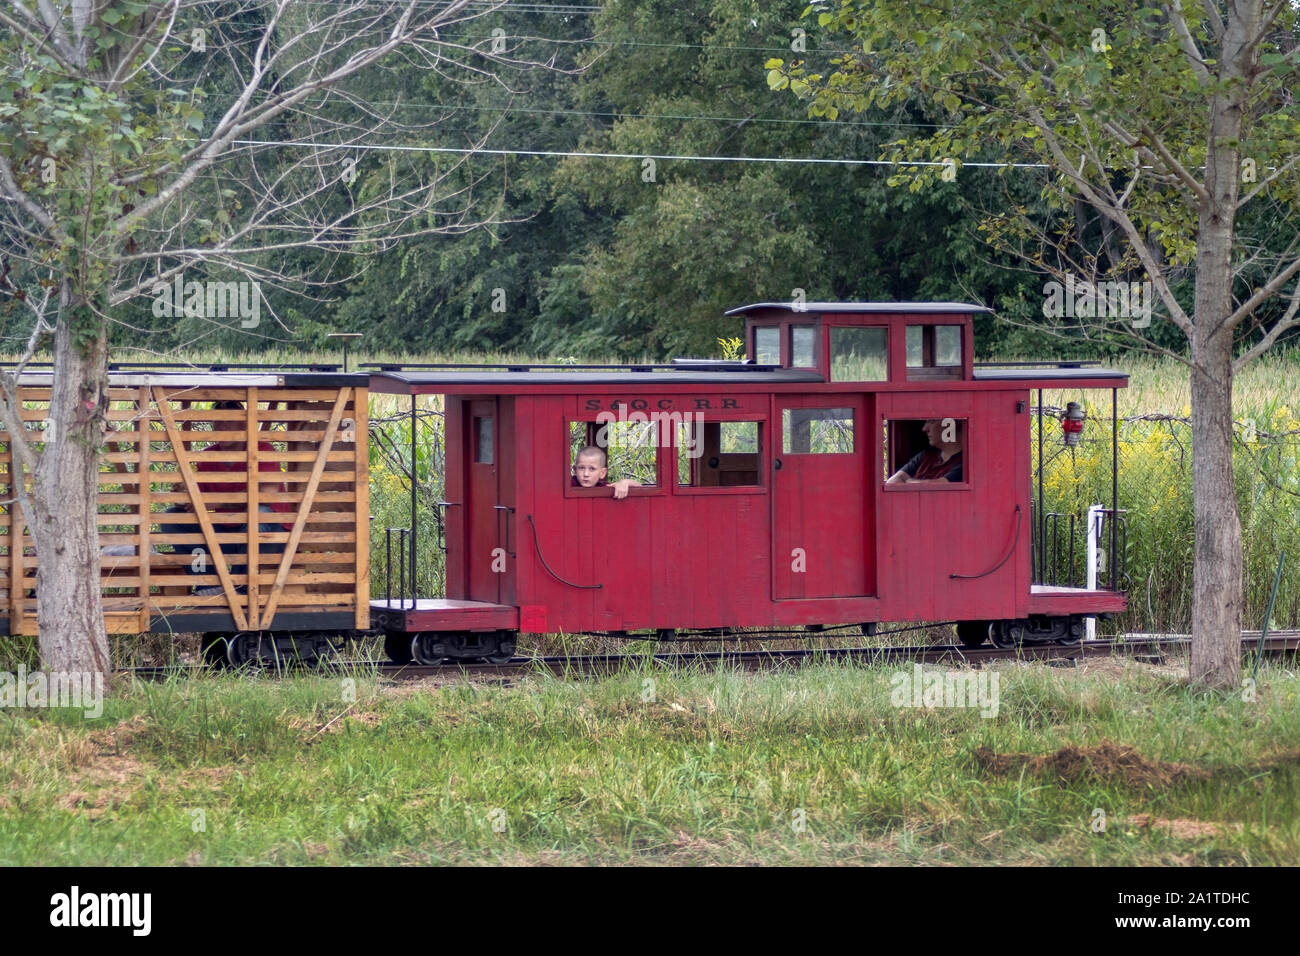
(634, 256)
(600, 257)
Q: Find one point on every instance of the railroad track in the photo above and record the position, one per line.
(1146, 647)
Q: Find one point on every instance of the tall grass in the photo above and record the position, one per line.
(712, 766)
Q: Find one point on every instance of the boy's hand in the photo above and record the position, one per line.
(620, 487)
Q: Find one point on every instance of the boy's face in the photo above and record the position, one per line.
(589, 470)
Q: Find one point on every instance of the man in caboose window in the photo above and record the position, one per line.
(942, 462)
(589, 471)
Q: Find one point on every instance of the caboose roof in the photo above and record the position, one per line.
(1052, 377)
(894, 308)
(209, 379)
(418, 382)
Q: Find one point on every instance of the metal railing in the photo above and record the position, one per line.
(1065, 544)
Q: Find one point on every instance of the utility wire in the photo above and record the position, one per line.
(791, 160)
(669, 116)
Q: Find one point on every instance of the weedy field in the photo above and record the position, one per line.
(1112, 763)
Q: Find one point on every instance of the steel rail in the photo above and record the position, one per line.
(1148, 647)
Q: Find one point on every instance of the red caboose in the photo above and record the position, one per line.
(765, 495)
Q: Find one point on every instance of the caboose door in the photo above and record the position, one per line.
(819, 499)
(485, 557)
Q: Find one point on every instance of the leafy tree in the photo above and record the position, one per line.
(1174, 124)
(696, 238)
(140, 140)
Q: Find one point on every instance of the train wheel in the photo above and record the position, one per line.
(245, 650)
(398, 648)
(1004, 634)
(972, 634)
(1073, 632)
(505, 651)
(427, 649)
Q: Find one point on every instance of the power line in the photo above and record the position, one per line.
(638, 43)
(670, 116)
(791, 160)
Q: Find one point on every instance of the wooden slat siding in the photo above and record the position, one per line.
(720, 557)
(650, 587)
(930, 553)
(10, 520)
(507, 484)
(226, 456)
(144, 506)
(744, 593)
(291, 497)
(795, 521)
(717, 555)
(583, 557)
(199, 511)
(15, 546)
(281, 537)
(1022, 481)
(296, 576)
(871, 485)
(361, 485)
(455, 518)
(526, 569)
(677, 572)
(175, 560)
(659, 544)
(296, 535)
(253, 525)
(5, 492)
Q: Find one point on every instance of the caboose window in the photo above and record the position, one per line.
(817, 431)
(859, 354)
(934, 346)
(767, 345)
(718, 454)
(924, 453)
(631, 449)
(483, 453)
(947, 345)
(803, 346)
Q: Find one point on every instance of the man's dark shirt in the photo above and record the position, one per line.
(928, 465)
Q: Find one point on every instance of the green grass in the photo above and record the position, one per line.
(711, 768)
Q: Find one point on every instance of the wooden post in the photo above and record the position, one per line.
(254, 524)
(15, 540)
(142, 469)
(361, 486)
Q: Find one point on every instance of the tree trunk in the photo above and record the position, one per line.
(1217, 580)
(64, 502)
